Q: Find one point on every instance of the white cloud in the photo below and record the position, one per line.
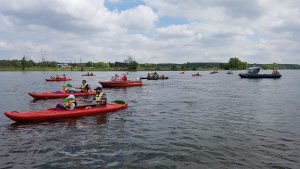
(139, 18)
(262, 31)
(4, 45)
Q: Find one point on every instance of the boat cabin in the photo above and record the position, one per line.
(253, 70)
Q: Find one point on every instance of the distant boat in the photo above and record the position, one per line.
(229, 72)
(88, 74)
(253, 74)
(155, 76)
(120, 83)
(196, 74)
(214, 72)
(58, 79)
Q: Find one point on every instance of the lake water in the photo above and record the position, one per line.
(213, 121)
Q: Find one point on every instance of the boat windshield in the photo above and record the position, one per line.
(254, 70)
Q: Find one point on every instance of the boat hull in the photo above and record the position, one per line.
(52, 113)
(58, 79)
(149, 78)
(258, 76)
(54, 95)
(127, 83)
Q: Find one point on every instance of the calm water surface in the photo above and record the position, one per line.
(213, 121)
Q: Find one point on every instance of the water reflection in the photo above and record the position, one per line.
(100, 119)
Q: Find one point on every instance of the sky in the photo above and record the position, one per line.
(151, 31)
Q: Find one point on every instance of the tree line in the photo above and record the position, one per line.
(132, 65)
(25, 63)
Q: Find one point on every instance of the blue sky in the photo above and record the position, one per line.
(122, 5)
(164, 31)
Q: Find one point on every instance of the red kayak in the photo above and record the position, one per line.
(197, 74)
(58, 79)
(87, 75)
(127, 83)
(53, 113)
(54, 95)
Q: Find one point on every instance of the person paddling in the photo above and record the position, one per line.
(70, 103)
(100, 97)
(116, 78)
(85, 87)
(65, 89)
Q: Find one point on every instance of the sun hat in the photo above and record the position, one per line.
(71, 97)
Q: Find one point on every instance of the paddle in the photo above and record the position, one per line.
(115, 101)
(118, 101)
(87, 101)
(71, 86)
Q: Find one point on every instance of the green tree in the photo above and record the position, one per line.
(89, 64)
(173, 67)
(23, 62)
(235, 63)
(182, 67)
(101, 65)
(132, 65)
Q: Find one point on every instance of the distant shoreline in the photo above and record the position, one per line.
(109, 70)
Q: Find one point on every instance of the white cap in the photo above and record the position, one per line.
(71, 97)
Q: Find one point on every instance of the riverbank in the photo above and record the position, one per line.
(95, 69)
(90, 69)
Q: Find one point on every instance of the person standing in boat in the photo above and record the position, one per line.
(70, 103)
(275, 72)
(100, 97)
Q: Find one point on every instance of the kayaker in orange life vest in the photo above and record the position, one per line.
(100, 97)
(65, 89)
(70, 103)
(85, 87)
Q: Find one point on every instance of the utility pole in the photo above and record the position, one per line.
(81, 67)
(43, 59)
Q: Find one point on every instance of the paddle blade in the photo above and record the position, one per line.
(69, 85)
(118, 101)
(65, 100)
